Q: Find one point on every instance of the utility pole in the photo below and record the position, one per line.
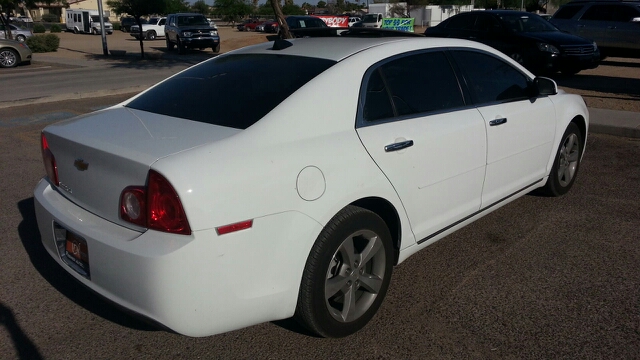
(105, 51)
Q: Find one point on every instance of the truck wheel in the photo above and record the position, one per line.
(170, 45)
(151, 35)
(216, 48)
(181, 47)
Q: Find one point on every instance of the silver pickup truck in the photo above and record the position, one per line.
(151, 30)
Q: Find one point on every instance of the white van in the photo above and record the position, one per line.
(86, 21)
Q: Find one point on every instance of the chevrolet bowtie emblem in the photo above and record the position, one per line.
(81, 165)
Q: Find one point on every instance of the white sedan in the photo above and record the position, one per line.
(287, 179)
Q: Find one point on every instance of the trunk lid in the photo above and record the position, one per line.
(100, 154)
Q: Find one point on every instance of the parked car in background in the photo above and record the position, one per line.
(614, 25)
(260, 27)
(527, 38)
(151, 30)
(17, 33)
(353, 20)
(271, 26)
(128, 21)
(207, 221)
(249, 25)
(190, 31)
(14, 53)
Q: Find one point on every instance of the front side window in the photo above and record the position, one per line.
(411, 85)
(599, 13)
(233, 91)
(491, 79)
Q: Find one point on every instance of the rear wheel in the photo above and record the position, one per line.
(566, 164)
(347, 274)
(8, 58)
(21, 38)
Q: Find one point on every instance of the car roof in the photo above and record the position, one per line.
(339, 48)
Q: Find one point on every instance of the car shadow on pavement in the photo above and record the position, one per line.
(151, 60)
(620, 63)
(606, 84)
(63, 282)
(24, 347)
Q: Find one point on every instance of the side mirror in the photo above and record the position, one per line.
(545, 86)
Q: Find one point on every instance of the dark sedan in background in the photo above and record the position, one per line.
(525, 37)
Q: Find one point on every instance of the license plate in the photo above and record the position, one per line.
(73, 250)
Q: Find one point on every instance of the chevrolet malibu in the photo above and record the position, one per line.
(321, 164)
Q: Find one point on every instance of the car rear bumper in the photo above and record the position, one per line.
(195, 285)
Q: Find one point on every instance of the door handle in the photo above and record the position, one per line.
(497, 122)
(398, 146)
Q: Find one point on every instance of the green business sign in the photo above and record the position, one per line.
(402, 24)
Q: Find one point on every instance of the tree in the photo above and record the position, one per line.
(175, 6)
(9, 6)
(201, 7)
(138, 9)
(321, 4)
(232, 10)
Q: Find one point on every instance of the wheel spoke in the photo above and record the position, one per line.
(347, 250)
(567, 174)
(371, 283)
(335, 285)
(373, 246)
(569, 144)
(349, 304)
(573, 156)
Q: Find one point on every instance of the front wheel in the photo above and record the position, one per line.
(216, 48)
(151, 35)
(566, 164)
(21, 38)
(170, 45)
(347, 274)
(181, 48)
(8, 58)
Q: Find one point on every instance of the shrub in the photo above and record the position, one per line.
(39, 29)
(116, 25)
(51, 18)
(43, 43)
(55, 28)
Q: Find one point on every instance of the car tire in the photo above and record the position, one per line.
(75, 31)
(21, 38)
(566, 163)
(151, 35)
(170, 45)
(9, 58)
(181, 47)
(216, 48)
(335, 271)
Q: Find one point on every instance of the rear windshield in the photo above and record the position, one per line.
(233, 91)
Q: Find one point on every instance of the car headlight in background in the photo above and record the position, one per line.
(186, 33)
(548, 48)
(595, 46)
(213, 32)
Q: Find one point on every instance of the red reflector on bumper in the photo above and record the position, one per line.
(234, 227)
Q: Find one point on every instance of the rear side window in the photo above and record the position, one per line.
(567, 12)
(233, 91)
(413, 84)
(491, 79)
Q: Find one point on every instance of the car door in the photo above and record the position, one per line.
(415, 124)
(520, 127)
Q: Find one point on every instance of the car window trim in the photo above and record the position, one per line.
(361, 122)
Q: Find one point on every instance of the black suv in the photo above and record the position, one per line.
(190, 30)
(613, 24)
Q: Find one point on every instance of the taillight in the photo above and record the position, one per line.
(49, 161)
(156, 206)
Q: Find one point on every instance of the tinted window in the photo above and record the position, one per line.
(567, 12)
(233, 91)
(462, 22)
(605, 13)
(412, 85)
(491, 79)
(487, 23)
(526, 23)
(192, 20)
